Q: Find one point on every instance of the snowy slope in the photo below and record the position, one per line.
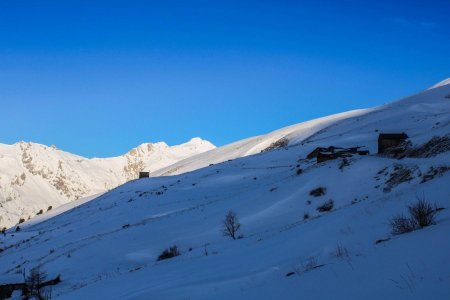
(294, 134)
(107, 247)
(34, 176)
(305, 132)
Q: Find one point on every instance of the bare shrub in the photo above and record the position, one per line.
(169, 253)
(422, 213)
(320, 191)
(327, 206)
(310, 264)
(231, 225)
(340, 251)
(401, 224)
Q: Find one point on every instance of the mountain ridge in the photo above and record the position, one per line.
(34, 176)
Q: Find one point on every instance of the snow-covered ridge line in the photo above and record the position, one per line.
(303, 132)
(441, 83)
(35, 177)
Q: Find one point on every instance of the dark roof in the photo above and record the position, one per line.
(395, 136)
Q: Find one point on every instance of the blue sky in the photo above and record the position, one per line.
(99, 77)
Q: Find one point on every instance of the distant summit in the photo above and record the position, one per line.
(34, 177)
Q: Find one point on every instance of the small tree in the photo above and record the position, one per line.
(231, 225)
(35, 281)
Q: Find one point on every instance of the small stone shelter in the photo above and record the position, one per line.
(390, 140)
(144, 175)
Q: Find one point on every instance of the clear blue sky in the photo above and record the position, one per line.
(99, 77)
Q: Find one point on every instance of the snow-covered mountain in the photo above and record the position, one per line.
(389, 117)
(308, 230)
(34, 177)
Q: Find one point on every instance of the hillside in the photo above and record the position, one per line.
(34, 177)
(292, 245)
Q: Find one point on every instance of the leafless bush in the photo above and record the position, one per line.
(320, 191)
(340, 251)
(401, 224)
(169, 253)
(327, 206)
(422, 213)
(231, 225)
(310, 264)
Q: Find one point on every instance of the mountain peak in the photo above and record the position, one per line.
(196, 144)
(35, 176)
(196, 140)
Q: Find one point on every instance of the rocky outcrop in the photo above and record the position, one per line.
(34, 177)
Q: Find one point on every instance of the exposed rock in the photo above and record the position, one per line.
(281, 143)
(434, 172)
(435, 146)
(399, 174)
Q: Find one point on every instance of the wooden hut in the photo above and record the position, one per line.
(144, 175)
(390, 140)
(328, 153)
